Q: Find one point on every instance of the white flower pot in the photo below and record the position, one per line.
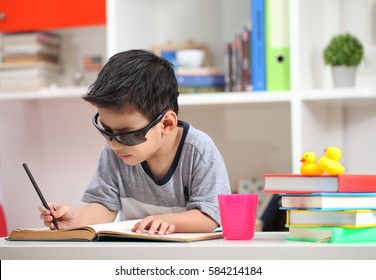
(343, 76)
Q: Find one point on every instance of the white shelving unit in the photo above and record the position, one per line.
(257, 133)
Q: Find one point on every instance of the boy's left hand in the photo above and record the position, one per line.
(154, 224)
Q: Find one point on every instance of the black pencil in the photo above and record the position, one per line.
(44, 202)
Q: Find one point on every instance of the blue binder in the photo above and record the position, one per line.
(258, 56)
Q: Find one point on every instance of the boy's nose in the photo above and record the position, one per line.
(114, 144)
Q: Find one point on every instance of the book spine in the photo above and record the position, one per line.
(237, 61)
(258, 59)
(42, 37)
(245, 59)
(201, 80)
(228, 66)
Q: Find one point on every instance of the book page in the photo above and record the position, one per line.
(122, 226)
(124, 229)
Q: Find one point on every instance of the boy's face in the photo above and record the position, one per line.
(127, 121)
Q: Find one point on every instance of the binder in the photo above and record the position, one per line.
(277, 45)
(258, 59)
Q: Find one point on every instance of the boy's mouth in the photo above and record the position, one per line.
(124, 156)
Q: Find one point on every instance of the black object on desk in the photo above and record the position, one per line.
(44, 202)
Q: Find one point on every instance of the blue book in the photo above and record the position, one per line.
(201, 80)
(258, 56)
(329, 201)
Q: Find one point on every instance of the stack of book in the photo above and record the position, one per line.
(29, 60)
(327, 208)
(200, 80)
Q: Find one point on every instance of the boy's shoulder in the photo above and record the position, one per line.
(200, 141)
(196, 136)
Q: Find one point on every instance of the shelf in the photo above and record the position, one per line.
(232, 98)
(219, 98)
(44, 93)
(339, 94)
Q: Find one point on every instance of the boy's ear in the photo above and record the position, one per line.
(169, 121)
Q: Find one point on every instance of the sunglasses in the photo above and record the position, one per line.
(130, 138)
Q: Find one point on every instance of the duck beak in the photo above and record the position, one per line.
(302, 160)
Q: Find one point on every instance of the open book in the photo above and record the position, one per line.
(115, 231)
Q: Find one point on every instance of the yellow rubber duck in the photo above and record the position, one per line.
(309, 166)
(329, 162)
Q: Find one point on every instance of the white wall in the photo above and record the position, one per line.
(60, 145)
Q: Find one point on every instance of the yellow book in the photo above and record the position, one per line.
(332, 234)
(342, 218)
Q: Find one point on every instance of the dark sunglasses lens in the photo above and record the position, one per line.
(131, 139)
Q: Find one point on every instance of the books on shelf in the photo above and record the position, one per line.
(43, 37)
(39, 70)
(228, 67)
(296, 183)
(29, 49)
(237, 61)
(29, 60)
(30, 64)
(32, 45)
(29, 75)
(116, 231)
(200, 80)
(341, 218)
(329, 201)
(26, 84)
(200, 77)
(246, 72)
(12, 60)
(193, 89)
(332, 234)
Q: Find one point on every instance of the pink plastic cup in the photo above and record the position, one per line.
(238, 215)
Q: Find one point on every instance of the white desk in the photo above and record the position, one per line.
(265, 246)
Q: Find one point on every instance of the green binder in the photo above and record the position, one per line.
(277, 45)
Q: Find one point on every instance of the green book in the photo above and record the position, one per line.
(332, 234)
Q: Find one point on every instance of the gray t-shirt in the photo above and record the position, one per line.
(195, 178)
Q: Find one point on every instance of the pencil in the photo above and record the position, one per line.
(44, 202)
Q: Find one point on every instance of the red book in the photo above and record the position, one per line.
(296, 183)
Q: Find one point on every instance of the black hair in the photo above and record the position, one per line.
(135, 80)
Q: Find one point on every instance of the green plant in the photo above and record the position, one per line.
(345, 50)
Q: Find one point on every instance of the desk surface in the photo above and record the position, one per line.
(264, 246)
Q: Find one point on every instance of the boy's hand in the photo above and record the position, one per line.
(154, 224)
(63, 214)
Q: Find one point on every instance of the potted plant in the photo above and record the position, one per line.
(344, 53)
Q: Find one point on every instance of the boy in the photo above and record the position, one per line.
(154, 167)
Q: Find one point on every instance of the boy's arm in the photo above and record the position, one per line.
(66, 216)
(188, 221)
(95, 213)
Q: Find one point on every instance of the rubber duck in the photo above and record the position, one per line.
(329, 162)
(309, 166)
